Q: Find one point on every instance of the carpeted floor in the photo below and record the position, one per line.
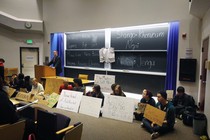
(109, 129)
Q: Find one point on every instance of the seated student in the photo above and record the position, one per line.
(78, 85)
(65, 86)
(20, 81)
(97, 93)
(28, 84)
(182, 100)
(13, 81)
(113, 87)
(146, 99)
(118, 91)
(37, 88)
(8, 112)
(169, 121)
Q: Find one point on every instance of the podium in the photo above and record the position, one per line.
(43, 71)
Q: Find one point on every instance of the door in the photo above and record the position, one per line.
(28, 58)
(205, 47)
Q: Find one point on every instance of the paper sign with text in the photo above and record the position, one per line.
(154, 114)
(69, 100)
(105, 82)
(119, 108)
(11, 91)
(90, 106)
(52, 99)
(23, 96)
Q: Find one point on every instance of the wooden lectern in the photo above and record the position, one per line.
(43, 71)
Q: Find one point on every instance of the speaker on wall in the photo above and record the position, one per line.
(187, 70)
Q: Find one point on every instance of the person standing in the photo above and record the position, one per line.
(56, 61)
(2, 68)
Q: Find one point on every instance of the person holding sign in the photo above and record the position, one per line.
(146, 99)
(168, 123)
(97, 93)
(118, 91)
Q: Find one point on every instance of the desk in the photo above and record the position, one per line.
(70, 80)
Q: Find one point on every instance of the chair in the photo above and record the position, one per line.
(75, 133)
(83, 76)
(48, 123)
(12, 131)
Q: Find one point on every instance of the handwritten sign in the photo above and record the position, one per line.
(23, 96)
(119, 108)
(90, 106)
(11, 91)
(52, 85)
(154, 114)
(170, 94)
(53, 99)
(141, 108)
(105, 82)
(69, 100)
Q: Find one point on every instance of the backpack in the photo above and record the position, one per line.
(188, 115)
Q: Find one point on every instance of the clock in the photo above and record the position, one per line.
(28, 25)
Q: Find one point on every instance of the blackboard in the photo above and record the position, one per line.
(141, 61)
(139, 39)
(85, 40)
(85, 58)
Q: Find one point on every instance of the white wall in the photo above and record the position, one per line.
(206, 33)
(11, 43)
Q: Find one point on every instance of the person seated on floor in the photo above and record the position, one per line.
(37, 88)
(96, 93)
(113, 87)
(28, 84)
(118, 91)
(65, 86)
(169, 121)
(78, 86)
(8, 112)
(182, 100)
(13, 81)
(146, 99)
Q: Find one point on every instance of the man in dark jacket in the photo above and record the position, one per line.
(56, 61)
(182, 100)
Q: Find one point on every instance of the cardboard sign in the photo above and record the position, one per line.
(119, 108)
(11, 91)
(14, 101)
(69, 100)
(105, 82)
(90, 106)
(23, 96)
(154, 114)
(170, 94)
(141, 108)
(52, 85)
(52, 99)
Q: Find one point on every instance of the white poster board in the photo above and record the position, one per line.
(69, 100)
(105, 82)
(119, 108)
(90, 106)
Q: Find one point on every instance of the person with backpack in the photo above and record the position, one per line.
(181, 101)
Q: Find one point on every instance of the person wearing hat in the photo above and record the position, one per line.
(2, 68)
(169, 121)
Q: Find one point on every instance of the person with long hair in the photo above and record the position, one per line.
(118, 91)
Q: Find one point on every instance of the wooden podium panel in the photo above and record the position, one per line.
(43, 71)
